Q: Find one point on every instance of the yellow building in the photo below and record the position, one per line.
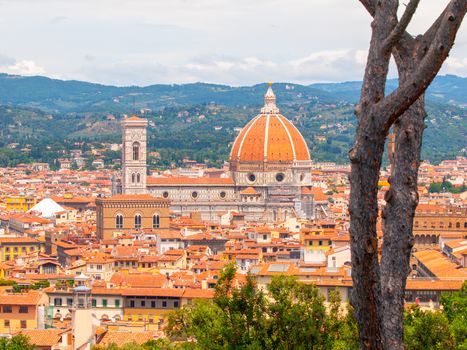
(14, 247)
(316, 239)
(20, 310)
(20, 203)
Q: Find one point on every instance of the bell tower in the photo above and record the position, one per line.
(134, 130)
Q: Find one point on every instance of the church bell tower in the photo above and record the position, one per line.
(134, 168)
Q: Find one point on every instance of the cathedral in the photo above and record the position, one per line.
(269, 177)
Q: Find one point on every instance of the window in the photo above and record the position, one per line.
(133, 179)
(458, 225)
(69, 302)
(156, 221)
(251, 177)
(23, 309)
(7, 249)
(265, 237)
(320, 242)
(94, 302)
(23, 324)
(137, 221)
(136, 151)
(99, 267)
(104, 302)
(165, 194)
(23, 249)
(175, 303)
(58, 302)
(164, 304)
(132, 303)
(222, 194)
(15, 249)
(138, 178)
(194, 194)
(6, 323)
(119, 221)
(117, 302)
(153, 304)
(280, 177)
(143, 303)
(7, 309)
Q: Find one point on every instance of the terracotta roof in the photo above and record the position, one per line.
(30, 298)
(439, 264)
(132, 197)
(43, 337)
(249, 191)
(120, 338)
(18, 240)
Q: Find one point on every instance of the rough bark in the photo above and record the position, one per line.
(379, 290)
(365, 157)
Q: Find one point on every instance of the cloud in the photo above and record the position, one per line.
(454, 65)
(24, 67)
(321, 66)
(58, 19)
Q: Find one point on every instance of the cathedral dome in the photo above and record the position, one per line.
(269, 137)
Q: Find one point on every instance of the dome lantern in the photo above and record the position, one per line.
(270, 102)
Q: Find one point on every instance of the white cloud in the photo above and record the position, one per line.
(237, 42)
(24, 67)
(329, 65)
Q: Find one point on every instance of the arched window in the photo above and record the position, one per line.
(137, 221)
(133, 178)
(119, 221)
(138, 178)
(135, 151)
(156, 221)
(458, 225)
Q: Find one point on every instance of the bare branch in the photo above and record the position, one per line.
(400, 28)
(369, 5)
(391, 107)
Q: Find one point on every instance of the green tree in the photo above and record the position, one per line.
(427, 330)
(297, 315)
(455, 309)
(18, 342)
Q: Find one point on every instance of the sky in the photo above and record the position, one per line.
(235, 42)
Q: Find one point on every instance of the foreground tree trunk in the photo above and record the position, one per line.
(379, 289)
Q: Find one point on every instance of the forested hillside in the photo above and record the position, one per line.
(200, 121)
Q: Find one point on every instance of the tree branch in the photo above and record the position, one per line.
(370, 6)
(401, 26)
(393, 105)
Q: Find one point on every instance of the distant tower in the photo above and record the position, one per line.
(134, 155)
(81, 315)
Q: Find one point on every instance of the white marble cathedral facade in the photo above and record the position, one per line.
(269, 177)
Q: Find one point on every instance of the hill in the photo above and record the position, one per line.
(42, 116)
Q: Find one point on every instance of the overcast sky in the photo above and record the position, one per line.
(237, 42)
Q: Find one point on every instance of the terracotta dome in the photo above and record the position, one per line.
(269, 137)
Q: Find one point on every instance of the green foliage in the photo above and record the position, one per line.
(443, 329)
(427, 330)
(18, 288)
(17, 342)
(291, 316)
(455, 309)
(446, 186)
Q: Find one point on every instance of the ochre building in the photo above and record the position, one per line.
(123, 213)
